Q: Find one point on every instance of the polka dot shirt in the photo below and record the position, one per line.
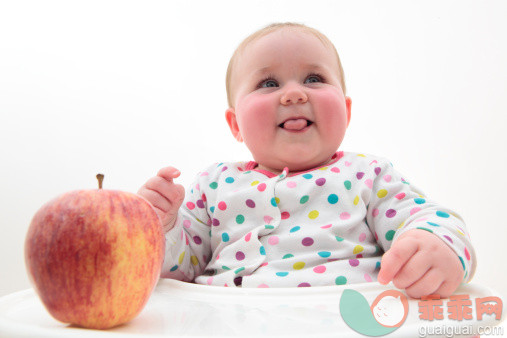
(242, 227)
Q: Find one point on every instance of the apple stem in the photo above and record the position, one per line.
(100, 178)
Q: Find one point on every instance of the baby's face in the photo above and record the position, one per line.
(289, 107)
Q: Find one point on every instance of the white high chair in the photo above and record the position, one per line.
(178, 309)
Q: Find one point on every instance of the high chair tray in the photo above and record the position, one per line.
(178, 309)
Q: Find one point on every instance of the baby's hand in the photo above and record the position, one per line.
(422, 264)
(165, 196)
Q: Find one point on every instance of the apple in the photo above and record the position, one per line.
(94, 256)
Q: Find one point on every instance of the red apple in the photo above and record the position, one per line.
(94, 256)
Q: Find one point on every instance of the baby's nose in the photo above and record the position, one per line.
(293, 94)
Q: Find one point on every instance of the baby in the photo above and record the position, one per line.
(302, 213)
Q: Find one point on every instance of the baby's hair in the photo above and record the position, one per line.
(272, 28)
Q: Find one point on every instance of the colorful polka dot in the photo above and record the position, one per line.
(390, 235)
(262, 251)
(225, 237)
(462, 263)
(340, 280)
(362, 237)
(356, 200)
(194, 260)
(390, 213)
(467, 254)
(294, 229)
(240, 255)
(347, 184)
(287, 256)
(248, 236)
(400, 196)
(442, 214)
(298, 265)
(369, 183)
(419, 200)
(273, 240)
(425, 229)
(320, 182)
(274, 201)
(354, 262)
(324, 254)
(433, 224)
(307, 241)
(319, 269)
(414, 210)
(190, 205)
(359, 175)
(307, 176)
(285, 215)
(213, 185)
(313, 214)
(229, 180)
(357, 249)
(291, 184)
(382, 193)
(282, 274)
(344, 215)
(304, 285)
(240, 219)
(304, 199)
(261, 187)
(197, 240)
(222, 206)
(250, 203)
(332, 199)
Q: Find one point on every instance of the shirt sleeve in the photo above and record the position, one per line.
(397, 206)
(188, 247)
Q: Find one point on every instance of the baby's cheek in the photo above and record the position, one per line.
(330, 100)
(331, 108)
(255, 113)
(257, 106)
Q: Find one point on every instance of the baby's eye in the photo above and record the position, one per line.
(268, 84)
(313, 79)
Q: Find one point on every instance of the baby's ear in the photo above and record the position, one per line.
(230, 116)
(348, 103)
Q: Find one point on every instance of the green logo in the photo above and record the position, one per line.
(385, 315)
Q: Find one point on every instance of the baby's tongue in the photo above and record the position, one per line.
(296, 124)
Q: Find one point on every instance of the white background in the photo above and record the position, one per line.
(127, 87)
